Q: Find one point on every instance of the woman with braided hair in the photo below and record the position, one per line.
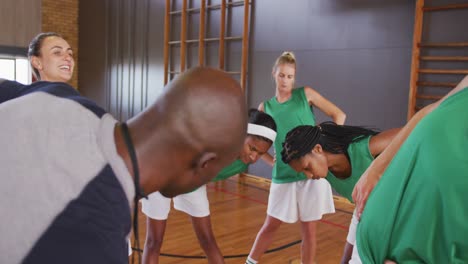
(338, 153)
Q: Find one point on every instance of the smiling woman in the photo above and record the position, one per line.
(51, 58)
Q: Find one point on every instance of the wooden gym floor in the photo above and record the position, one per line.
(238, 209)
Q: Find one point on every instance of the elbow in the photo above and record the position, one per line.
(340, 118)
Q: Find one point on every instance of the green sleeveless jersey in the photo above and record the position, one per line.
(360, 159)
(418, 211)
(234, 168)
(288, 115)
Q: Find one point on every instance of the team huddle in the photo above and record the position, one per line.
(73, 174)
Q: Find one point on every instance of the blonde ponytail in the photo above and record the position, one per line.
(286, 57)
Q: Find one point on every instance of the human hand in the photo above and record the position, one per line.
(362, 190)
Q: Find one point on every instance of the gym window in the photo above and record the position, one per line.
(15, 68)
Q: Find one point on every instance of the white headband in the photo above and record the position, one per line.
(262, 131)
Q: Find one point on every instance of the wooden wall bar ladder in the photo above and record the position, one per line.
(203, 11)
(416, 69)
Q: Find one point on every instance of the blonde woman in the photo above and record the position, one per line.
(291, 192)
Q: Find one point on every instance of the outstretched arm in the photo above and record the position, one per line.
(375, 171)
(325, 106)
(207, 240)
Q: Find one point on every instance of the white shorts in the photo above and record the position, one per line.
(130, 250)
(355, 259)
(351, 238)
(306, 200)
(194, 203)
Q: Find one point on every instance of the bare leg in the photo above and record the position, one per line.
(264, 237)
(154, 238)
(207, 240)
(309, 242)
(347, 253)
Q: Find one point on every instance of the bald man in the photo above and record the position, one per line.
(70, 170)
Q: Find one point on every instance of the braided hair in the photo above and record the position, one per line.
(332, 137)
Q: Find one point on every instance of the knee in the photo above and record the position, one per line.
(270, 227)
(153, 243)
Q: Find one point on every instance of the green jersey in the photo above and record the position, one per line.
(288, 115)
(234, 168)
(418, 211)
(360, 159)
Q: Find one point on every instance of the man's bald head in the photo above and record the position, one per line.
(201, 118)
(206, 108)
